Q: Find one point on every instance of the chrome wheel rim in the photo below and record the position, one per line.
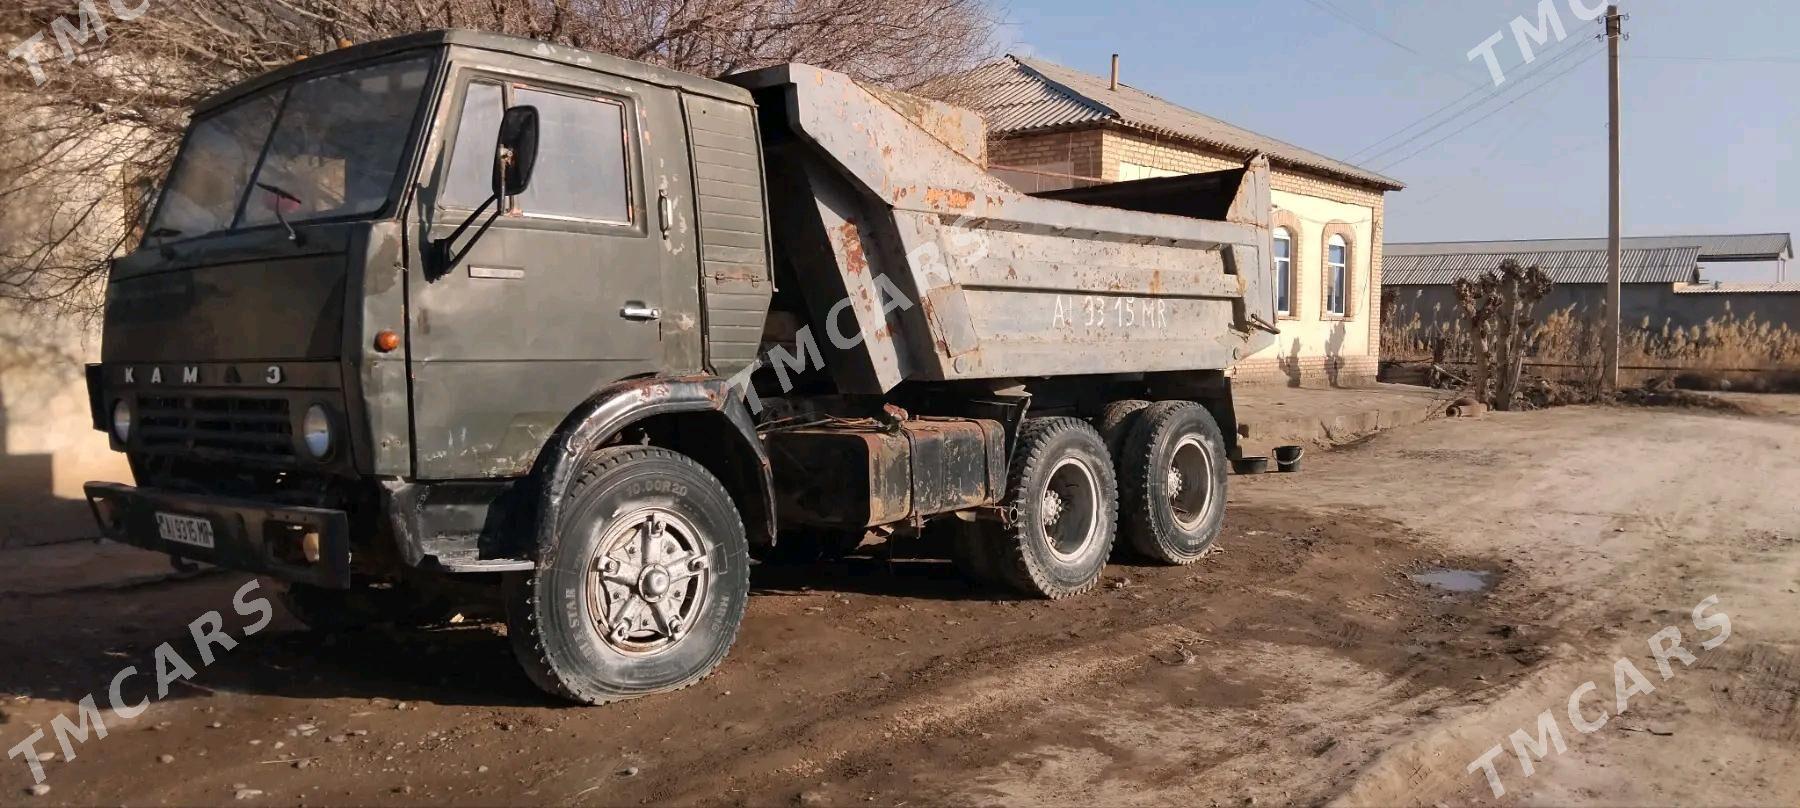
(648, 580)
(1190, 488)
(1070, 507)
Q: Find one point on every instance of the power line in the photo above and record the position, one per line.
(1561, 57)
(1754, 60)
(1491, 113)
(1346, 17)
(1377, 144)
(1328, 8)
(1492, 92)
(1481, 166)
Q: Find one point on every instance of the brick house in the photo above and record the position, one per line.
(1051, 127)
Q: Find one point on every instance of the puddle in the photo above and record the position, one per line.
(1451, 580)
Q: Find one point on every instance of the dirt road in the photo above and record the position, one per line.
(1300, 665)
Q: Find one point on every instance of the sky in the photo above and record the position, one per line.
(1710, 103)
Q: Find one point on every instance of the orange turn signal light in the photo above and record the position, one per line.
(387, 342)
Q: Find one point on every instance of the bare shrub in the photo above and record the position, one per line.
(1497, 307)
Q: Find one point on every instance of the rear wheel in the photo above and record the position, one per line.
(1064, 499)
(1172, 483)
(1116, 421)
(644, 586)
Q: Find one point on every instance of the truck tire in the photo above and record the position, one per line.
(1116, 421)
(1172, 483)
(1064, 498)
(644, 586)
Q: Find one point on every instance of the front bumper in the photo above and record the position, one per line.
(249, 536)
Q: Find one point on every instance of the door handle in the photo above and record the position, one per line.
(641, 311)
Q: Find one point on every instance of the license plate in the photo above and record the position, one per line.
(185, 530)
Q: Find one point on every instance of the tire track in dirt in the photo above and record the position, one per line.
(961, 704)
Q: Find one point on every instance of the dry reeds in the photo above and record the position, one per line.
(1568, 338)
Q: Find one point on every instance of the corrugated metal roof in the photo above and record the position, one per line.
(1717, 288)
(1020, 95)
(1723, 247)
(1666, 265)
(1014, 100)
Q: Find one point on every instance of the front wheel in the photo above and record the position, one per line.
(644, 586)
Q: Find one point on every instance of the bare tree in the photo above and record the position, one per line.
(94, 115)
(1499, 309)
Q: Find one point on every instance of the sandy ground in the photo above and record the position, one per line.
(1300, 665)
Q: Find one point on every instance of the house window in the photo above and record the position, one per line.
(1337, 276)
(1284, 272)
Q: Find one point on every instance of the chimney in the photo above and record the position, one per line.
(1115, 73)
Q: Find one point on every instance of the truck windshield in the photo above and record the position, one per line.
(334, 143)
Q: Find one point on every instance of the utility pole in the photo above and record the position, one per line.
(1615, 31)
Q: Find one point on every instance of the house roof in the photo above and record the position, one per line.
(1715, 248)
(1023, 95)
(1661, 265)
(1718, 288)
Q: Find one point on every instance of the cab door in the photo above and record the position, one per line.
(563, 291)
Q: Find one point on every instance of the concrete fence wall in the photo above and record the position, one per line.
(48, 446)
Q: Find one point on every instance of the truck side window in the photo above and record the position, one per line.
(581, 172)
(469, 181)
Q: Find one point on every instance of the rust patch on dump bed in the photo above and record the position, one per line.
(949, 198)
(854, 260)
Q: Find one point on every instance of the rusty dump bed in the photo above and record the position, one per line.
(872, 189)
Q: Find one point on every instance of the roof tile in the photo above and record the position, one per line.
(1021, 95)
(1665, 265)
(1725, 247)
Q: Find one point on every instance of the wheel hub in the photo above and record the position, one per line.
(648, 581)
(1070, 509)
(1190, 490)
(1053, 507)
(654, 583)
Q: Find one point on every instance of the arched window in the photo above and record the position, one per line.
(1284, 272)
(1337, 276)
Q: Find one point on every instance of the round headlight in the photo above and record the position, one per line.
(315, 430)
(121, 420)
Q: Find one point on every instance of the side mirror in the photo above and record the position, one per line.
(515, 157)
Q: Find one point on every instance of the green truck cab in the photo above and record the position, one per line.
(459, 307)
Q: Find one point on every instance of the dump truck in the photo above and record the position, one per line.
(458, 312)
